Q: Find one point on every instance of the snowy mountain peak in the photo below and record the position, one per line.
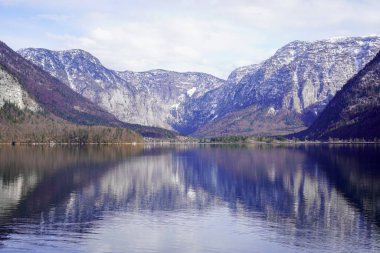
(68, 55)
(297, 81)
(78, 55)
(239, 73)
(286, 91)
(136, 97)
(342, 39)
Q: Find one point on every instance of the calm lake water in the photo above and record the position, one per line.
(190, 198)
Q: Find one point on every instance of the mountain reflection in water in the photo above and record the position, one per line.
(325, 198)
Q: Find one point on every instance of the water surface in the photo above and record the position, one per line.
(190, 198)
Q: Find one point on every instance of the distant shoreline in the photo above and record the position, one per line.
(166, 142)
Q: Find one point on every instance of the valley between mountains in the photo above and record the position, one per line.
(298, 87)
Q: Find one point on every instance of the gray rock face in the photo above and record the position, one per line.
(211, 106)
(301, 78)
(12, 91)
(302, 75)
(163, 96)
(153, 98)
(84, 74)
(298, 80)
(354, 112)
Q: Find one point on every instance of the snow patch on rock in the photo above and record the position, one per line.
(271, 111)
(191, 92)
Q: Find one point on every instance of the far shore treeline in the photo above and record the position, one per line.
(23, 126)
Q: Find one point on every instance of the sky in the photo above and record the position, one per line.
(212, 36)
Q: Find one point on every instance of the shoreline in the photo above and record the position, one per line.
(166, 142)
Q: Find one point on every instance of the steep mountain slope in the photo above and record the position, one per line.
(22, 119)
(355, 110)
(51, 94)
(287, 91)
(204, 109)
(281, 95)
(164, 95)
(151, 98)
(13, 92)
(29, 87)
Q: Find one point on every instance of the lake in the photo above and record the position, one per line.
(190, 198)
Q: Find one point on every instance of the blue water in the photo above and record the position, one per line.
(190, 198)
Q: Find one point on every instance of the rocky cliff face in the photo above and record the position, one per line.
(151, 98)
(355, 110)
(12, 91)
(53, 96)
(163, 96)
(50, 93)
(280, 95)
(290, 89)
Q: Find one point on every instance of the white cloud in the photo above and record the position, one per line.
(186, 35)
(181, 44)
(53, 17)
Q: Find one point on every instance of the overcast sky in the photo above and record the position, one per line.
(213, 36)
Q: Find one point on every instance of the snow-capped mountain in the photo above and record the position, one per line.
(289, 90)
(25, 87)
(150, 98)
(279, 95)
(163, 95)
(354, 112)
(29, 87)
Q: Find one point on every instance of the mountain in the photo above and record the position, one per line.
(29, 87)
(154, 98)
(50, 93)
(207, 108)
(286, 92)
(23, 120)
(13, 92)
(280, 95)
(355, 110)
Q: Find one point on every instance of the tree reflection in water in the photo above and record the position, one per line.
(305, 192)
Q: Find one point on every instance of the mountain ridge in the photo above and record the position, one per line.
(55, 97)
(290, 88)
(149, 97)
(299, 79)
(355, 110)
(48, 91)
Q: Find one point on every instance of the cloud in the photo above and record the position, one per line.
(213, 36)
(172, 43)
(309, 14)
(53, 17)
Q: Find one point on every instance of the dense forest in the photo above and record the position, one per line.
(23, 126)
